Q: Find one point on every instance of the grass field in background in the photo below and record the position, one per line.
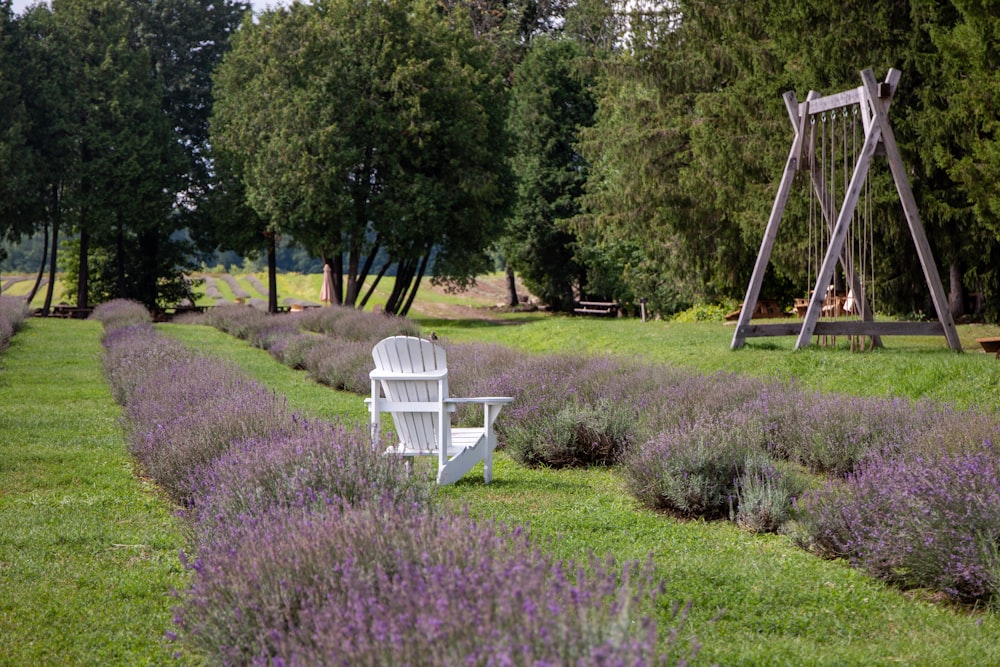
(906, 367)
(299, 286)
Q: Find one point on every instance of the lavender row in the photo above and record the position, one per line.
(311, 548)
(13, 312)
(723, 446)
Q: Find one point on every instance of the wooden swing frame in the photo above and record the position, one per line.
(874, 99)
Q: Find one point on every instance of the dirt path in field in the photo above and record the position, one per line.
(483, 301)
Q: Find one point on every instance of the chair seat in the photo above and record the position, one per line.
(461, 439)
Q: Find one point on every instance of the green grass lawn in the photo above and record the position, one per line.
(88, 551)
(914, 367)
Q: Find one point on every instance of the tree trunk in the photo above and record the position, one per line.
(363, 274)
(956, 292)
(337, 269)
(272, 274)
(41, 265)
(416, 284)
(146, 287)
(512, 299)
(47, 307)
(120, 260)
(353, 262)
(82, 282)
(404, 274)
(371, 290)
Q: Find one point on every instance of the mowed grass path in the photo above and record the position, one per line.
(88, 552)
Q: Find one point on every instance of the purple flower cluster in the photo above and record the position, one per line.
(315, 549)
(317, 464)
(120, 313)
(13, 312)
(916, 522)
(332, 343)
(133, 352)
(384, 584)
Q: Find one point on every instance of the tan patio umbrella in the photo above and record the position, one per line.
(326, 292)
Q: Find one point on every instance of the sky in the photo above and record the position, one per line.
(258, 5)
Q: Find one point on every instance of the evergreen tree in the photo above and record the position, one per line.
(550, 102)
(14, 126)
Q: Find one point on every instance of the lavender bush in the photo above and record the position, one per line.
(917, 522)
(828, 433)
(318, 463)
(13, 312)
(132, 354)
(351, 324)
(340, 364)
(389, 585)
(292, 350)
(693, 470)
(190, 412)
(235, 320)
(764, 494)
(120, 313)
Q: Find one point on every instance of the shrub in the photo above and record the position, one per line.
(576, 435)
(915, 522)
(190, 412)
(133, 353)
(341, 364)
(120, 313)
(383, 585)
(235, 320)
(13, 312)
(704, 312)
(317, 463)
(693, 470)
(265, 333)
(828, 433)
(293, 349)
(764, 495)
(356, 325)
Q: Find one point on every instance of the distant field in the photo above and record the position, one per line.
(431, 301)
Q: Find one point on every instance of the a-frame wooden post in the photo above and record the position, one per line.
(877, 132)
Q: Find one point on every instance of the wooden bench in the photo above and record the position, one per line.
(990, 345)
(604, 308)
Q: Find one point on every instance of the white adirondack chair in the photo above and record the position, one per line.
(410, 381)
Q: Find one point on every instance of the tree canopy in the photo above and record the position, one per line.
(363, 127)
(626, 149)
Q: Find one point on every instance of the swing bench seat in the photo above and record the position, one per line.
(990, 345)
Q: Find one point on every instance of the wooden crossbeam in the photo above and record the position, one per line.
(874, 99)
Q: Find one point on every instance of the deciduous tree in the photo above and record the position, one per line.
(365, 126)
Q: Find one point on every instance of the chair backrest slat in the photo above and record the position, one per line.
(407, 354)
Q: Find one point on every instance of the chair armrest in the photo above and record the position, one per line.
(482, 400)
(396, 375)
